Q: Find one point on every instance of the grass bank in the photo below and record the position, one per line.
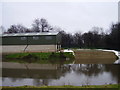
(42, 58)
(68, 86)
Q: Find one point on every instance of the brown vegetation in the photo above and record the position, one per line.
(94, 57)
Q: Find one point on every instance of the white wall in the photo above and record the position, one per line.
(41, 48)
(30, 48)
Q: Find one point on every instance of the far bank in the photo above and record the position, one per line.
(78, 56)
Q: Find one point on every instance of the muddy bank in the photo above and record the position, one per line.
(94, 57)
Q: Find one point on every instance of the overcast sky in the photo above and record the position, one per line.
(70, 16)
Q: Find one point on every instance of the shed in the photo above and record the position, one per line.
(32, 42)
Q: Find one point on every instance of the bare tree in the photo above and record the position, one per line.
(41, 25)
(12, 29)
(21, 28)
(2, 30)
(17, 29)
(78, 39)
(36, 25)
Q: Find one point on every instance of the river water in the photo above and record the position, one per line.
(66, 74)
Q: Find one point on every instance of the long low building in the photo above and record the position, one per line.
(31, 42)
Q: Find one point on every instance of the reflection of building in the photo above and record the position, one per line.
(41, 71)
(35, 42)
(31, 73)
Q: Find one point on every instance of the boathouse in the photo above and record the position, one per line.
(31, 42)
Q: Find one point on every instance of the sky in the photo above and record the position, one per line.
(70, 16)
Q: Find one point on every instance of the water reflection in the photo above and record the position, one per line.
(75, 74)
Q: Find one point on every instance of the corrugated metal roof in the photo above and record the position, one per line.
(31, 34)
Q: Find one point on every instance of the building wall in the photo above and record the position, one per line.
(41, 40)
(29, 40)
(13, 41)
(34, 43)
(58, 38)
(29, 48)
(41, 48)
(13, 48)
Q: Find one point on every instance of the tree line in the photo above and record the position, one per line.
(95, 38)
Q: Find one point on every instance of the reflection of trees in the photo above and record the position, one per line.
(119, 74)
(114, 70)
(95, 69)
(16, 79)
(45, 81)
(3, 79)
(91, 69)
(87, 69)
(13, 79)
(39, 82)
(64, 68)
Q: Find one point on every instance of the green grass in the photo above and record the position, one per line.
(42, 58)
(67, 86)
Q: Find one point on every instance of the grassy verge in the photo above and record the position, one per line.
(42, 58)
(68, 86)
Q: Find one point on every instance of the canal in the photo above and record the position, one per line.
(56, 74)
